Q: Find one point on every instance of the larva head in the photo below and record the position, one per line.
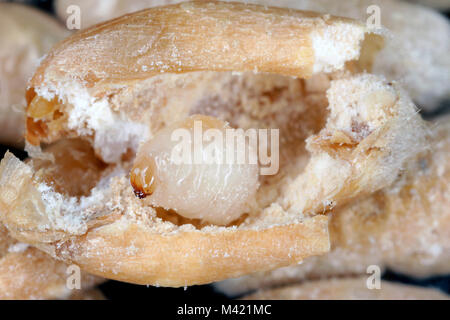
(186, 170)
(142, 177)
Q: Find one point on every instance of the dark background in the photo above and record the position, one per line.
(120, 290)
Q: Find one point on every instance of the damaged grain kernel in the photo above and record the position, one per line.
(183, 171)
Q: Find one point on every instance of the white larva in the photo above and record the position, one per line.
(213, 190)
